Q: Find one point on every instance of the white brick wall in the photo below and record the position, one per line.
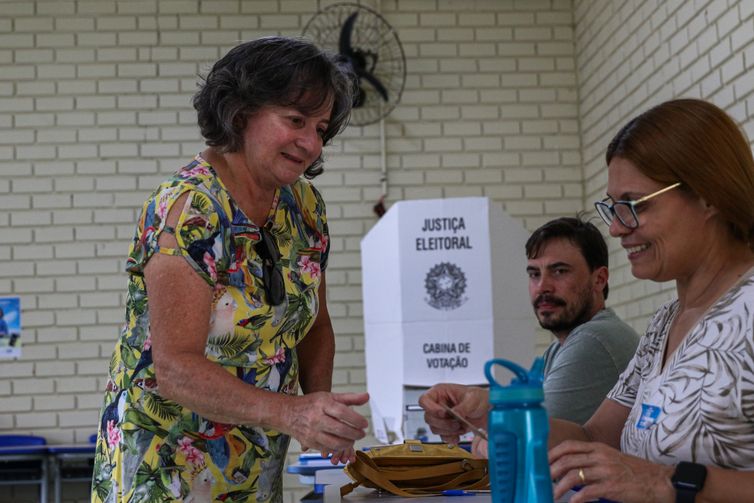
(515, 100)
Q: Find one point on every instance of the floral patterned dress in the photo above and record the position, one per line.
(152, 449)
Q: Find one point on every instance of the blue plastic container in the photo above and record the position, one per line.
(517, 429)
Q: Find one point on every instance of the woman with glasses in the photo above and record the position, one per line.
(679, 424)
(226, 312)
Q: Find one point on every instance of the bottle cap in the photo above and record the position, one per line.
(516, 394)
(526, 387)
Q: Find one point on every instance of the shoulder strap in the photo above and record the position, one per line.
(348, 488)
(366, 472)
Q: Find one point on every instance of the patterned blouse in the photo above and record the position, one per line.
(700, 407)
(150, 448)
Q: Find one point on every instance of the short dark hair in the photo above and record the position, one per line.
(276, 71)
(583, 234)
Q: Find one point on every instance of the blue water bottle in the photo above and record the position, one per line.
(517, 431)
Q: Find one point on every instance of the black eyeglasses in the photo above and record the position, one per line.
(626, 210)
(272, 276)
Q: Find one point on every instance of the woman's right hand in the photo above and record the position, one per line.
(469, 402)
(325, 421)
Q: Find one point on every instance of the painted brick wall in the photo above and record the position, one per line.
(634, 54)
(510, 99)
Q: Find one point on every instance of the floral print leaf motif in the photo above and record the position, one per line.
(131, 443)
(143, 421)
(170, 479)
(148, 485)
(250, 458)
(102, 482)
(139, 299)
(230, 346)
(164, 409)
(236, 496)
(115, 360)
(202, 205)
(304, 221)
(282, 236)
(129, 356)
(298, 317)
(166, 453)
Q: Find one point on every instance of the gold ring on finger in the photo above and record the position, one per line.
(581, 476)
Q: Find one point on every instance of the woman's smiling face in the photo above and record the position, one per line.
(280, 143)
(666, 244)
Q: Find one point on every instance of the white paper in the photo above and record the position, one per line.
(10, 327)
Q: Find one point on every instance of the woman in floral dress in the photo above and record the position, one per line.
(226, 313)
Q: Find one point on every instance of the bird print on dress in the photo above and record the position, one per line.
(279, 363)
(201, 488)
(221, 318)
(269, 477)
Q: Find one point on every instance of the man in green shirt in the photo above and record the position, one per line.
(568, 285)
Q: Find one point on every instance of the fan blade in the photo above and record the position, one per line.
(344, 43)
(359, 98)
(375, 83)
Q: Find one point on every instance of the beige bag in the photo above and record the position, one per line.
(417, 469)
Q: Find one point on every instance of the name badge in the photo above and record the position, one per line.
(649, 416)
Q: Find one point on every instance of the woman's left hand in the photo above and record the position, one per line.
(604, 472)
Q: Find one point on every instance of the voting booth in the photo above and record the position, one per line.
(445, 290)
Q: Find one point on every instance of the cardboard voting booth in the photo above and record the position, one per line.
(445, 290)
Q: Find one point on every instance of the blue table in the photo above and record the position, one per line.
(27, 459)
(23, 460)
(71, 463)
(307, 467)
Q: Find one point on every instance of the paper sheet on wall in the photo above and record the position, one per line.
(10, 327)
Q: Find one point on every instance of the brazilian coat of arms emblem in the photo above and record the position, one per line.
(445, 284)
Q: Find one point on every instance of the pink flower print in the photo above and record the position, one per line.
(209, 261)
(162, 206)
(194, 456)
(148, 343)
(308, 265)
(113, 434)
(321, 244)
(184, 444)
(278, 357)
(197, 170)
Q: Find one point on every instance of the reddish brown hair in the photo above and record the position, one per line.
(694, 142)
